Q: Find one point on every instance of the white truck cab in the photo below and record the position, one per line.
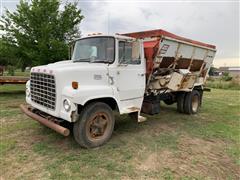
(105, 74)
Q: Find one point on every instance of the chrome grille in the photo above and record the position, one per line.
(43, 90)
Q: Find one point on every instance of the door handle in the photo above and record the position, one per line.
(141, 74)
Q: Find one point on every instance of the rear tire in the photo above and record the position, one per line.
(180, 102)
(95, 126)
(192, 102)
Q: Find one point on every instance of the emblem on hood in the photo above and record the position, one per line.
(97, 76)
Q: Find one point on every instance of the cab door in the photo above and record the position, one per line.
(130, 71)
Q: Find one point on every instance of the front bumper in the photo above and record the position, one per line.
(56, 127)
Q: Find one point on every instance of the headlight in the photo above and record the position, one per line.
(66, 105)
(28, 93)
(28, 84)
(28, 88)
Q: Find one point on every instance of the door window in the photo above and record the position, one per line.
(129, 53)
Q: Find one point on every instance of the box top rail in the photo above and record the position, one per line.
(160, 33)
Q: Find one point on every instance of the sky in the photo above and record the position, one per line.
(214, 22)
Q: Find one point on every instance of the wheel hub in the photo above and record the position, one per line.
(98, 125)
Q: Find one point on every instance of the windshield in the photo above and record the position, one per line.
(94, 49)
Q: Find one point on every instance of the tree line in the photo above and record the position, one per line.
(38, 32)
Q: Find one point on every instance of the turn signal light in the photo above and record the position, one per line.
(75, 85)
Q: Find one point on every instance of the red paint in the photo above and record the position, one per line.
(151, 47)
(150, 50)
(160, 32)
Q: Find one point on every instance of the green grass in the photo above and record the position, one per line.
(14, 90)
(167, 146)
(6, 145)
(233, 84)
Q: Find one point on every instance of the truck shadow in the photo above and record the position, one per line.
(167, 116)
(126, 128)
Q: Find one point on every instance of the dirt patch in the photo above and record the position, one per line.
(208, 158)
(12, 103)
(166, 127)
(25, 168)
(151, 163)
(22, 162)
(196, 158)
(6, 120)
(163, 127)
(13, 106)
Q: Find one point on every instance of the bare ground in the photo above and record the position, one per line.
(194, 157)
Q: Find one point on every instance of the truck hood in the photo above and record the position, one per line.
(54, 67)
(67, 65)
(83, 72)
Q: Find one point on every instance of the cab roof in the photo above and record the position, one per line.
(117, 36)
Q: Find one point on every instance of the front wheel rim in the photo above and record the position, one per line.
(98, 126)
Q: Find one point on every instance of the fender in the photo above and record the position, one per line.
(84, 94)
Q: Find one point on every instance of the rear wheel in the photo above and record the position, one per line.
(192, 102)
(180, 102)
(95, 126)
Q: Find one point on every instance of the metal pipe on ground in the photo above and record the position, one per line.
(61, 130)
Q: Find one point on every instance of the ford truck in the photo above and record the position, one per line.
(127, 73)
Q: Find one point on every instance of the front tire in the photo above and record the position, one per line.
(95, 126)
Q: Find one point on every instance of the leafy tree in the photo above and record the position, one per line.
(212, 71)
(39, 31)
(7, 53)
(226, 76)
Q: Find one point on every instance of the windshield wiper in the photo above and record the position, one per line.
(100, 61)
(82, 60)
(90, 60)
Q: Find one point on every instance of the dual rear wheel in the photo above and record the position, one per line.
(189, 102)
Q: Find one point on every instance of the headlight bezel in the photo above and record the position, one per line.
(27, 91)
(66, 105)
